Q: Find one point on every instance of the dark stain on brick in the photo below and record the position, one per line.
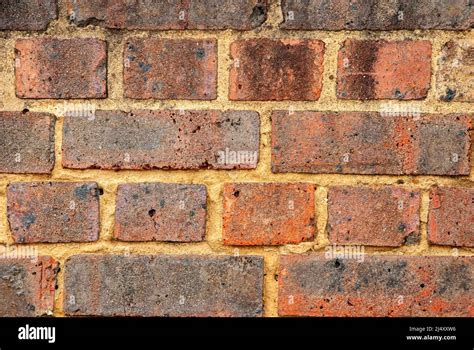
(449, 95)
(455, 277)
(200, 53)
(82, 192)
(28, 220)
(362, 56)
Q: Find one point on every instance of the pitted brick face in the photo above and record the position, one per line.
(370, 143)
(61, 68)
(377, 15)
(373, 216)
(376, 286)
(52, 212)
(160, 212)
(27, 14)
(26, 142)
(162, 139)
(170, 69)
(451, 216)
(164, 285)
(268, 213)
(27, 286)
(266, 69)
(455, 77)
(399, 70)
(170, 14)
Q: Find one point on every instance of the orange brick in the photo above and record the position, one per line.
(61, 68)
(286, 69)
(268, 213)
(378, 69)
(451, 216)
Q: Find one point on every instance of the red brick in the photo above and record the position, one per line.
(164, 139)
(163, 285)
(377, 15)
(170, 14)
(61, 68)
(370, 143)
(451, 216)
(268, 213)
(27, 142)
(27, 14)
(379, 69)
(53, 212)
(380, 286)
(375, 216)
(455, 77)
(285, 69)
(27, 286)
(160, 212)
(170, 69)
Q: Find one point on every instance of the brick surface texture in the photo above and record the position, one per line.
(313, 285)
(164, 285)
(236, 158)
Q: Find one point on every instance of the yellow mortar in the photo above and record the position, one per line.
(214, 179)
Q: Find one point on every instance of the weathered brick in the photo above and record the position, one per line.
(285, 69)
(377, 15)
(27, 14)
(167, 139)
(170, 14)
(160, 212)
(380, 286)
(451, 216)
(455, 77)
(375, 216)
(27, 142)
(27, 286)
(53, 211)
(61, 68)
(370, 143)
(163, 285)
(268, 213)
(170, 69)
(379, 69)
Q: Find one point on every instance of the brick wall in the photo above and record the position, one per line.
(236, 158)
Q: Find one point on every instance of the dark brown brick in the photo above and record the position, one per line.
(375, 216)
(53, 212)
(285, 69)
(27, 142)
(379, 69)
(170, 14)
(377, 15)
(164, 285)
(160, 212)
(61, 68)
(27, 14)
(370, 143)
(170, 69)
(268, 213)
(27, 286)
(380, 286)
(451, 216)
(455, 77)
(166, 139)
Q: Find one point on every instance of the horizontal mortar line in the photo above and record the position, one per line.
(138, 176)
(58, 28)
(48, 107)
(203, 248)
